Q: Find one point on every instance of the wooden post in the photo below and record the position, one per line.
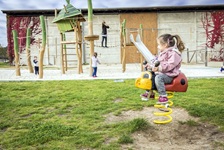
(28, 34)
(79, 37)
(206, 56)
(222, 51)
(62, 55)
(41, 59)
(38, 42)
(188, 60)
(16, 52)
(124, 46)
(78, 44)
(56, 48)
(90, 26)
(65, 54)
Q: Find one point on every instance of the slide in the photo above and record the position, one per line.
(142, 48)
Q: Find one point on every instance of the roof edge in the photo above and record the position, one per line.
(185, 8)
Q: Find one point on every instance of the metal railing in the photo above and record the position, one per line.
(203, 55)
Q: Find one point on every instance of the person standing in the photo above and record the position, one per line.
(36, 65)
(104, 34)
(95, 61)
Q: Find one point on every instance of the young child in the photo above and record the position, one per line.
(36, 65)
(170, 63)
(95, 61)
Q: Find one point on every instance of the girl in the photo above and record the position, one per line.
(95, 60)
(170, 47)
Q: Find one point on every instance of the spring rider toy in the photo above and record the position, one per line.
(179, 83)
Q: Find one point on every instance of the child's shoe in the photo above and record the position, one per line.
(145, 96)
(162, 100)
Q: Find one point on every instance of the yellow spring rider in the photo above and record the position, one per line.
(179, 84)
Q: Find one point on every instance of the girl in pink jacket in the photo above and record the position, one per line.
(170, 47)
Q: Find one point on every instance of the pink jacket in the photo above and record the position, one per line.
(170, 61)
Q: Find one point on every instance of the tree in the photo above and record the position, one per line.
(3, 53)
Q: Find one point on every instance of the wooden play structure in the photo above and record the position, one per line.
(144, 25)
(28, 37)
(68, 20)
(125, 41)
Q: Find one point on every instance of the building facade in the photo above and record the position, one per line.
(194, 24)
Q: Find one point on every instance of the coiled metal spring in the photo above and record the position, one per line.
(165, 110)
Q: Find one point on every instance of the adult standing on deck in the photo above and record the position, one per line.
(104, 34)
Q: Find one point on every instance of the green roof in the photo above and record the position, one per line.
(69, 12)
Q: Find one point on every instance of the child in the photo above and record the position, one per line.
(95, 60)
(170, 63)
(36, 65)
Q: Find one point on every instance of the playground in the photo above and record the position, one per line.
(107, 114)
(71, 109)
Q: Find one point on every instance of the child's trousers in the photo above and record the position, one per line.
(160, 81)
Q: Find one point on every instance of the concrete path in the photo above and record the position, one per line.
(105, 72)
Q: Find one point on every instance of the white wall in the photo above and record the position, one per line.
(52, 54)
(188, 26)
(105, 55)
(52, 51)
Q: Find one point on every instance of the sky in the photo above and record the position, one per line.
(53, 4)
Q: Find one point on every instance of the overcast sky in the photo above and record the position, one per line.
(52, 4)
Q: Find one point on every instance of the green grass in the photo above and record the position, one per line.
(204, 99)
(71, 114)
(4, 65)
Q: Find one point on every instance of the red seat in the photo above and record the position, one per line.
(179, 84)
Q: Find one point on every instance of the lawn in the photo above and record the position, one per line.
(71, 114)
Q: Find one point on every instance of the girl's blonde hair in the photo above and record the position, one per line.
(170, 41)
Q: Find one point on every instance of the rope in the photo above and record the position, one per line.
(95, 45)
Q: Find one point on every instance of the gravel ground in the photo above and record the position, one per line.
(104, 72)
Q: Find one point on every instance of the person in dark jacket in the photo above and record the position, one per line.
(104, 34)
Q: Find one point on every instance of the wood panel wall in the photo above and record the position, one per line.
(149, 22)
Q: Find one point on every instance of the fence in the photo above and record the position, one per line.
(204, 55)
